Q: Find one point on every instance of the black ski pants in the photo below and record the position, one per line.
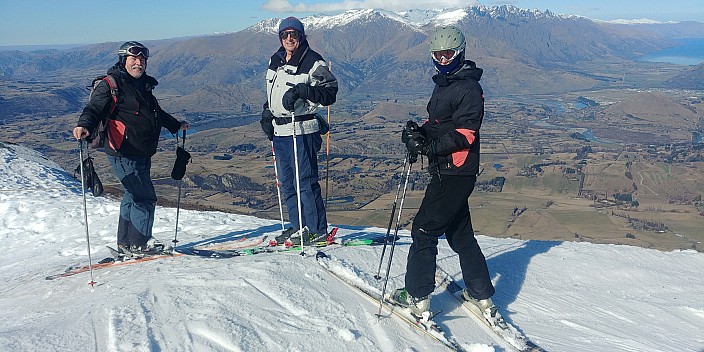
(445, 210)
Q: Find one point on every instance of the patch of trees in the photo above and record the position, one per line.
(496, 184)
(587, 101)
(643, 224)
(579, 136)
(583, 152)
(245, 148)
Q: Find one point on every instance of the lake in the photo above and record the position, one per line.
(691, 52)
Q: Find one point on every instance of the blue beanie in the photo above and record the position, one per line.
(291, 23)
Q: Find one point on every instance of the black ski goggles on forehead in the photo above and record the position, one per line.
(294, 35)
(136, 51)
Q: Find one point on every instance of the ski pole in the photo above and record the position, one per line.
(85, 213)
(178, 202)
(391, 219)
(298, 181)
(327, 153)
(393, 243)
(278, 187)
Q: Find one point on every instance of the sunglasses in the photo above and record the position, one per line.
(448, 54)
(136, 51)
(294, 35)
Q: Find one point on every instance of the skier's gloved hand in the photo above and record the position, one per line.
(266, 122)
(412, 158)
(299, 91)
(417, 144)
(409, 130)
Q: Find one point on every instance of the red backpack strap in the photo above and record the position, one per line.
(112, 83)
(113, 91)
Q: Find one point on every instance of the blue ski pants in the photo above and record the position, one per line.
(312, 206)
(139, 200)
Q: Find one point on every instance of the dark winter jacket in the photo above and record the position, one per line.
(137, 121)
(455, 114)
(305, 66)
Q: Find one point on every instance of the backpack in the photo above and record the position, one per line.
(99, 134)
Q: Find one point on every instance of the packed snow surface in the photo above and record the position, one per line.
(564, 296)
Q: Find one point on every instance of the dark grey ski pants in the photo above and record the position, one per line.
(138, 202)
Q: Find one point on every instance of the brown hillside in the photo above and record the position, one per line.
(388, 112)
(652, 111)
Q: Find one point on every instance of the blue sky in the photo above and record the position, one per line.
(53, 22)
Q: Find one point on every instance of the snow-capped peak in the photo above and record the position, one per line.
(414, 18)
(418, 18)
(637, 21)
(322, 21)
(326, 21)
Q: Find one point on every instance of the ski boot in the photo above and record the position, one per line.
(310, 239)
(281, 239)
(420, 307)
(152, 247)
(489, 311)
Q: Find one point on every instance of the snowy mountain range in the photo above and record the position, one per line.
(565, 296)
(415, 18)
(370, 49)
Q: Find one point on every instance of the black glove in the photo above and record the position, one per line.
(182, 158)
(90, 177)
(412, 137)
(411, 130)
(417, 144)
(299, 91)
(266, 122)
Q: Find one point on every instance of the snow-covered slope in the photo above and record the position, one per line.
(564, 296)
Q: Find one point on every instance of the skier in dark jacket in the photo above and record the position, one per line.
(450, 140)
(133, 135)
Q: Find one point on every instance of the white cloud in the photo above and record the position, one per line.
(392, 5)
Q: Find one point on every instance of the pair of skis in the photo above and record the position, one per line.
(220, 251)
(109, 262)
(504, 333)
(492, 323)
(425, 326)
(233, 249)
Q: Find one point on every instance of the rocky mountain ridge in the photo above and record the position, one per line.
(373, 53)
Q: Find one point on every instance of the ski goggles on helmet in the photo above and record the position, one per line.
(294, 35)
(135, 51)
(448, 54)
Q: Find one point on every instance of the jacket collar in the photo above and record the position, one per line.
(119, 72)
(279, 58)
(469, 70)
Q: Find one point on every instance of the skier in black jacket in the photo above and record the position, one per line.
(133, 135)
(450, 140)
